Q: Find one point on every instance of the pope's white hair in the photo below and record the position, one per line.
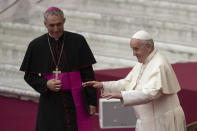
(147, 42)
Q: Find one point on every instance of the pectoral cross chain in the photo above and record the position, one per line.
(56, 72)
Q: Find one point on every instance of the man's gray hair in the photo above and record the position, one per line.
(53, 12)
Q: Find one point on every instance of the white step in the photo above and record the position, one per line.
(165, 30)
(12, 82)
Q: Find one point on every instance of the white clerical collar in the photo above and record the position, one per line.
(150, 56)
(50, 35)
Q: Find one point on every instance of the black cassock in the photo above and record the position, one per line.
(57, 110)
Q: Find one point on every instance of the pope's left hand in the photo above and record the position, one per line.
(112, 95)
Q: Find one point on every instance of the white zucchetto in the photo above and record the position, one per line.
(142, 35)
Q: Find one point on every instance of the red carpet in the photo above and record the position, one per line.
(17, 115)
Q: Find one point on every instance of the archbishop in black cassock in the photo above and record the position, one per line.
(57, 109)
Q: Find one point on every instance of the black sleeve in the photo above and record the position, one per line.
(37, 82)
(87, 74)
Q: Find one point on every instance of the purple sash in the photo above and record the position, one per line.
(72, 81)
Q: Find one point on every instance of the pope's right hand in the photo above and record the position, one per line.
(54, 85)
(94, 84)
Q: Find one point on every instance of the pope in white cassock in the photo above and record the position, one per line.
(151, 88)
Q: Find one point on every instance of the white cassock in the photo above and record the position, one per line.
(151, 88)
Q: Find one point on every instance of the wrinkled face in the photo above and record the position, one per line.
(55, 26)
(140, 50)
